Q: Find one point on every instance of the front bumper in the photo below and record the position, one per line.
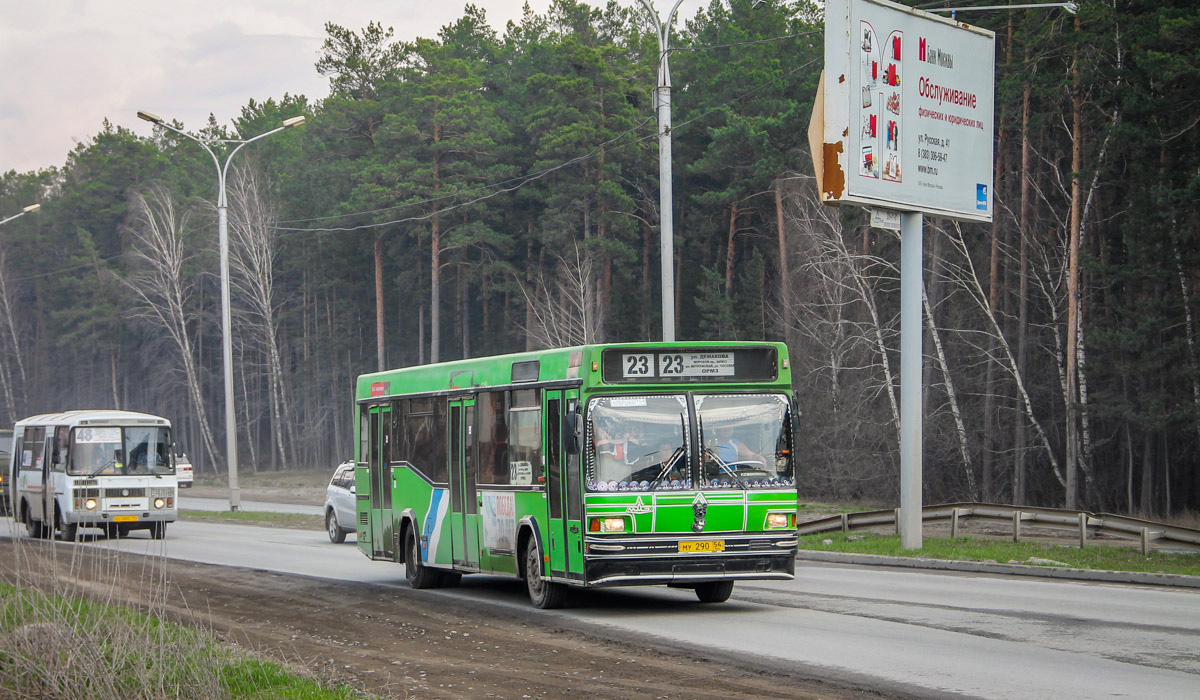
(657, 560)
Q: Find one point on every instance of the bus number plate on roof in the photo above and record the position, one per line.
(677, 364)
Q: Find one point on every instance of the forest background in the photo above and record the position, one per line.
(490, 191)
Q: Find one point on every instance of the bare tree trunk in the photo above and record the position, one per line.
(253, 251)
(729, 250)
(785, 277)
(161, 290)
(971, 282)
(15, 402)
(380, 360)
(1023, 289)
(1072, 424)
(963, 445)
(435, 304)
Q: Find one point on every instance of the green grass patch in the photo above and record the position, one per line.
(295, 521)
(60, 646)
(1105, 557)
(253, 680)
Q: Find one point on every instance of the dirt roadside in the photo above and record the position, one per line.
(398, 643)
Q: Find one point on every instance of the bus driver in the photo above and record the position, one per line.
(732, 450)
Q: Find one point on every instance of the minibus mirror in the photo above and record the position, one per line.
(56, 455)
(573, 433)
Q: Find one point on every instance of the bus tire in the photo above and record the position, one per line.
(714, 591)
(418, 575)
(544, 594)
(35, 528)
(68, 531)
(158, 531)
(336, 534)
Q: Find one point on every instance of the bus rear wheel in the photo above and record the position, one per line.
(542, 593)
(714, 591)
(418, 575)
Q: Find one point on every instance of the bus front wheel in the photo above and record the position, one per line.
(69, 531)
(714, 591)
(418, 575)
(35, 528)
(544, 594)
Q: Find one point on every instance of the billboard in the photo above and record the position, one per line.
(908, 111)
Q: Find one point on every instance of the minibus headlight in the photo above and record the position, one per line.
(778, 520)
(90, 504)
(159, 503)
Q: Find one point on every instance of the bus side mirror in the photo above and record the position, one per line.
(573, 433)
(56, 455)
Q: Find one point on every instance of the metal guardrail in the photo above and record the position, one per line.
(1086, 524)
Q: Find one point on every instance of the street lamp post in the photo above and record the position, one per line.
(26, 210)
(235, 497)
(666, 235)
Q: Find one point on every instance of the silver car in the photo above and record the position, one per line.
(339, 503)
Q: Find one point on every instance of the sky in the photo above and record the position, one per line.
(67, 65)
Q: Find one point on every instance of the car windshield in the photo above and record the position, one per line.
(746, 440)
(638, 443)
(116, 451)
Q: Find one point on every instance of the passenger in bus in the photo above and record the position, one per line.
(118, 463)
(731, 450)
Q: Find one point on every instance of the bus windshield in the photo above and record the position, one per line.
(745, 439)
(114, 451)
(638, 443)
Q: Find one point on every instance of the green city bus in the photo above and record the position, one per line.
(600, 465)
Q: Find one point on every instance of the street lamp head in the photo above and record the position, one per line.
(150, 117)
(294, 121)
(1071, 8)
(31, 208)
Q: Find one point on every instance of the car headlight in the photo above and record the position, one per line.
(159, 503)
(90, 504)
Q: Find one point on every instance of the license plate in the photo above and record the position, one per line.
(124, 518)
(704, 546)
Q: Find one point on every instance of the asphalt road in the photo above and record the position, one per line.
(910, 632)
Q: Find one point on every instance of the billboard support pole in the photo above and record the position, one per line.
(911, 411)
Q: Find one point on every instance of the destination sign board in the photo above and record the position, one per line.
(672, 365)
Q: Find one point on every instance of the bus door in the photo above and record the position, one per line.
(564, 528)
(464, 511)
(47, 500)
(379, 466)
(573, 496)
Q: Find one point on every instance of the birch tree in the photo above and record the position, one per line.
(253, 248)
(162, 289)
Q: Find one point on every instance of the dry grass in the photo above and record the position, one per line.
(67, 630)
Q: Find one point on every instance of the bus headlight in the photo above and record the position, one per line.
(778, 520)
(606, 525)
(90, 504)
(159, 503)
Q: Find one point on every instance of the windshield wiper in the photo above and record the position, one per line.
(110, 463)
(721, 464)
(676, 455)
